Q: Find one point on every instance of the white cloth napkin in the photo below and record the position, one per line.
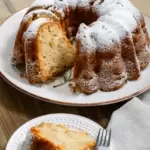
(131, 124)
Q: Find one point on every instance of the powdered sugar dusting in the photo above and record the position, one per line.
(60, 6)
(72, 3)
(45, 3)
(90, 85)
(84, 36)
(125, 18)
(38, 12)
(115, 25)
(100, 7)
(92, 37)
(110, 5)
(99, 30)
(84, 4)
(33, 28)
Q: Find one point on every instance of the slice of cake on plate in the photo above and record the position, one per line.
(58, 137)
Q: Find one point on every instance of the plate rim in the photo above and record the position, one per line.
(46, 116)
(126, 98)
(54, 101)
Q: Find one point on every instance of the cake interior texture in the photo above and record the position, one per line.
(59, 137)
(55, 48)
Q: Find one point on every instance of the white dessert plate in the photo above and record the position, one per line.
(21, 139)
(62, 94)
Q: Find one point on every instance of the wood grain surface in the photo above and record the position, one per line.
(17, 108)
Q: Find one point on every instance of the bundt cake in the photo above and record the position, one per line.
(47, 136)
(112, 42)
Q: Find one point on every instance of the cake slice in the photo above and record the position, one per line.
(48, 52)
(18, 54)
(58, 137)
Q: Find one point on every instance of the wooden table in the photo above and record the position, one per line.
(17, 108)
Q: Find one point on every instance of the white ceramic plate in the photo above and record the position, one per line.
(21, 139)
(62, 94)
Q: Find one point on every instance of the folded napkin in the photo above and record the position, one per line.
(131, 124)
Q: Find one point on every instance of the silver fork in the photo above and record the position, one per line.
(103, 139)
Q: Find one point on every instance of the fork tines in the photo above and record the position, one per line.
(103, 138)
